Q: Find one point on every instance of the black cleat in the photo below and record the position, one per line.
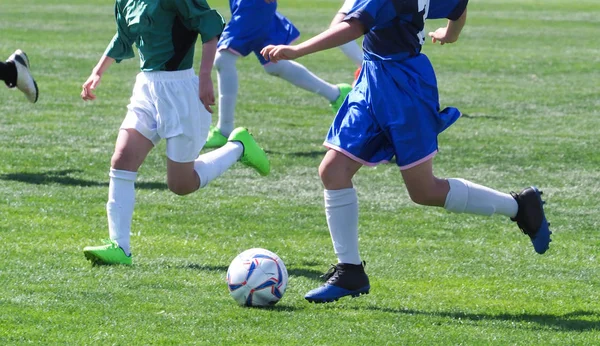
(343, 279)
(531, 218)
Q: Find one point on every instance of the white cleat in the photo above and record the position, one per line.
(25, 81)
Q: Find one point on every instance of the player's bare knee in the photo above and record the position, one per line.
(120, 160)
(333, 178)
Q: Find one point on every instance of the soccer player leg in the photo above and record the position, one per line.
(353, 140)
(341, 209)
(242, 33)
(463, 196)
(130, 151)
(186, 172)
(227, 80)
(283, 31)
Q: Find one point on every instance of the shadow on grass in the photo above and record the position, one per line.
(566, 321)
(308, 273)
(63, 177)
(311, 154)
(467, 116)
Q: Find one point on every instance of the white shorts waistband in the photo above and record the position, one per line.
(157, 76)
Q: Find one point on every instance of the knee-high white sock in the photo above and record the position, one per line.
(468, 197)
(353, 51)
(341, 209)
(301, 77)
(212, 164)
(119, 208)
(228, 89)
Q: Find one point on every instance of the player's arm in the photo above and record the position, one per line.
(450, 33)
(94, 79)
(337, 35)
(119, 48)
(207, 94)
(198, 16)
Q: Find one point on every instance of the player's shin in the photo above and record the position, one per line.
(341, 209)
(467, 197)
(119, 208)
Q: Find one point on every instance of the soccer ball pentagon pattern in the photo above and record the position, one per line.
(257, 277)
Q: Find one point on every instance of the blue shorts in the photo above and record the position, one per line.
(255, 24)
(392, 111)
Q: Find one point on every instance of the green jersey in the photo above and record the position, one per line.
(164, 31)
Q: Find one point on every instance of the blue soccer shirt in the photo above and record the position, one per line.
(394, 29)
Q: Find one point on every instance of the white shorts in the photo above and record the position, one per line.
(165, 104)
(347, 6)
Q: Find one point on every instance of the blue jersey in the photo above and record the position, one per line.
(394, 29)
(255, 24)
(394, 108)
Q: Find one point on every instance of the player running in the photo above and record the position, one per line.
(394, 111)
(255, 24)
(169, 101)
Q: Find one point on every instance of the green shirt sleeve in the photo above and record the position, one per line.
(121, 46)
(197, 15)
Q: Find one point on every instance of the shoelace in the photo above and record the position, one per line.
(330, 272)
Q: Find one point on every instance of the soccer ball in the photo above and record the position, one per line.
(257, 277)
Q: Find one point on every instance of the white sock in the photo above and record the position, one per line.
(353, 51)
(119, 208)
(228, 89)
(341, 209)
(301, 77)
(212, 164)
(468, 197)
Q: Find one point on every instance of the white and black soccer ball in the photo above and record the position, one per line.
(257, 277)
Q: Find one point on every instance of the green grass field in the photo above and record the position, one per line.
(525, 73)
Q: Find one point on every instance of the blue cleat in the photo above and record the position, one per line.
(531, 218)
(343, 280)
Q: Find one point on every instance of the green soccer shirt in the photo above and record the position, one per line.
(164, 31)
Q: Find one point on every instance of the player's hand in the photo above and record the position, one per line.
(280, 52)
(207, 92)
(440, 35)
(90, 84)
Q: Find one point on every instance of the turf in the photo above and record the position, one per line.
(525, 74)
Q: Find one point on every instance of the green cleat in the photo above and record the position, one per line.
(215, 138)
(111, 253)
(344, 91)
(253, 156)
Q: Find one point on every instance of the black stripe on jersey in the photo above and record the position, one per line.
(183, 40)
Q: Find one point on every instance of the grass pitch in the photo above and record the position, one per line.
(525, 73)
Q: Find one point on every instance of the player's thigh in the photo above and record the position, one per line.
(131, 150)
